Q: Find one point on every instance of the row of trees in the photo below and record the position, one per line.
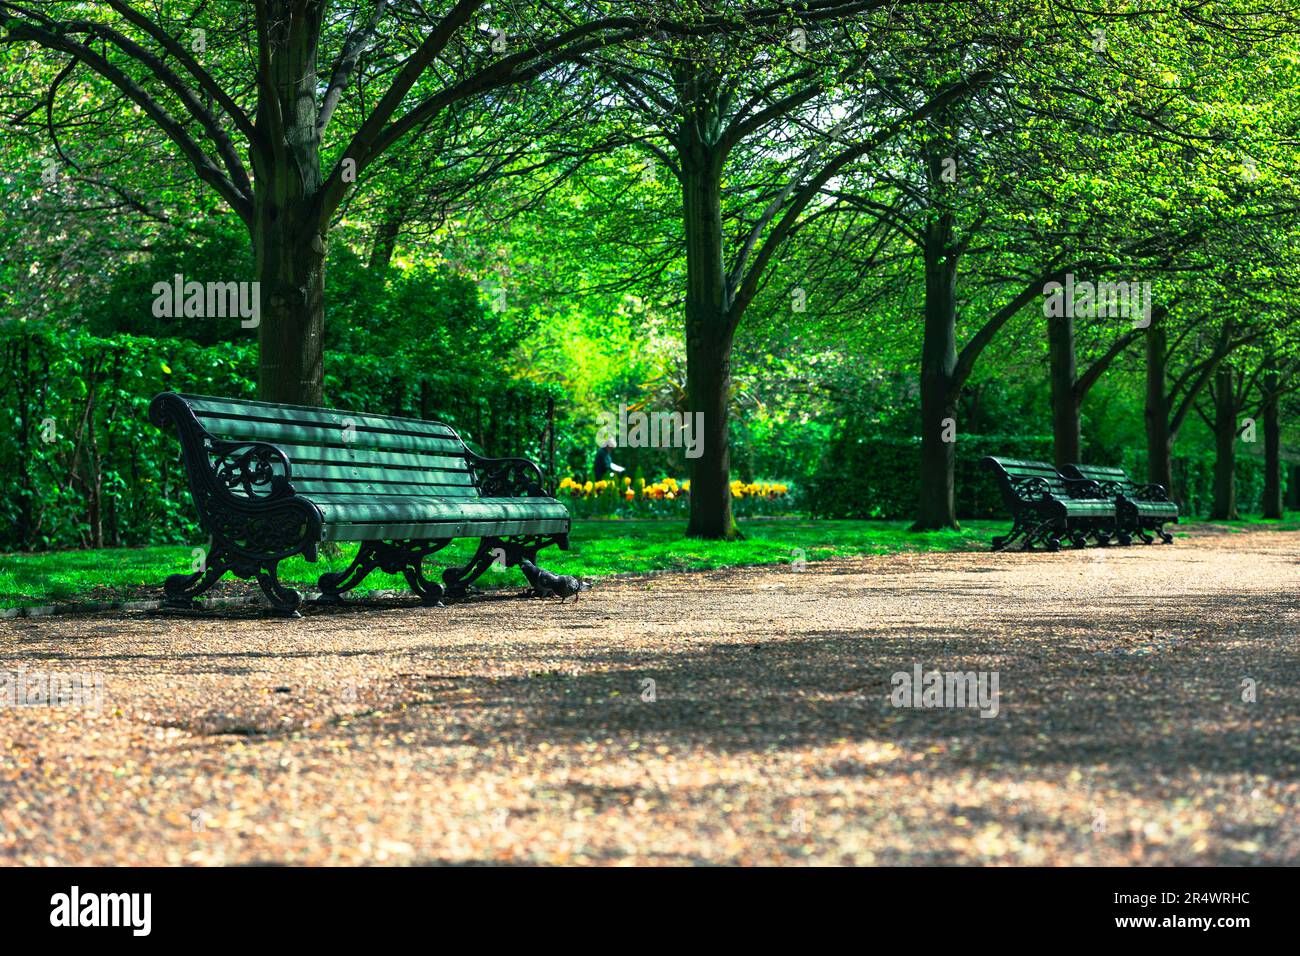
(875, 169)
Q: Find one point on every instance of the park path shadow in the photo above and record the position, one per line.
(1163, 699)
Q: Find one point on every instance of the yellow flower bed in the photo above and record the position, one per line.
(665, 489)
(758, 490)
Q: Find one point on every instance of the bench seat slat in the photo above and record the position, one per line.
(427, 531)
(1157, 508)
(346, 509)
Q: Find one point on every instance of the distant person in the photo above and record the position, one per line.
(605, 461)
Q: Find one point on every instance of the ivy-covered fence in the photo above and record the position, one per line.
(84, 467)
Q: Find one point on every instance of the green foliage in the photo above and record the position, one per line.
(87, 467)
(215, 251)
(1169, 154)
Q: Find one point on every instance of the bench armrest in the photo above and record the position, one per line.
(1031, 488)
(1097, 488)
(253, 470)
(1084, 488)
(1150, 493)
(507, 477)
(239, 472)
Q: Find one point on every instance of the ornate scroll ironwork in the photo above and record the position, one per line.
(1150, 493)
(1032, 488)
(506, 477)
(257, 469)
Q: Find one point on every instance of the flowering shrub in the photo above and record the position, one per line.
(666, 497)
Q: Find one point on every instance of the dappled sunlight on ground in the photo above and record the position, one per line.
(516, 730)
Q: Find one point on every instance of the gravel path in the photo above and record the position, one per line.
(523, 731)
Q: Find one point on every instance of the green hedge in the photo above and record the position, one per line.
(866, 477)
(86, 468)
(1194, 480)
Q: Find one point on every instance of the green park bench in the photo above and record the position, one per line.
(1047, 507)
(1143, 510)
(273, 481)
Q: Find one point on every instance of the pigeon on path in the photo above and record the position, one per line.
(548, 584)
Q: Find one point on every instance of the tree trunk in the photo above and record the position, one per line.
(288, 235)
(26, 408)
(291, 270)
(385, 242)
(1225, 446)
(1272, 449)
(708, 346)
(1160, 439)
(1066, 432)
(708, 382)
(94, 481)
(937, 506)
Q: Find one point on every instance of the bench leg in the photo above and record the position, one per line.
(285, 600)
(458, 580)
(1039, 534)
(398, 557)
(1004, 541)
(180, 590)
(332, 584)
(511, 550)
(430, 592)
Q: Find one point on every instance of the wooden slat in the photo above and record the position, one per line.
(210, 407)
(327, 436)
(443, 529)
(350, 455)
(1156, 507)
(1099, 506)
(355, 510)
(363, 473)
(376, 489)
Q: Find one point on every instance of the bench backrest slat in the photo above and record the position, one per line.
(415, 461)
(329, 436)
(1104, 473)
(361, 472)
(316, 488)
(1018, 468)
(205, 407)
(340, 453)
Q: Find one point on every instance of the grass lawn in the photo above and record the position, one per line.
(599, 547)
